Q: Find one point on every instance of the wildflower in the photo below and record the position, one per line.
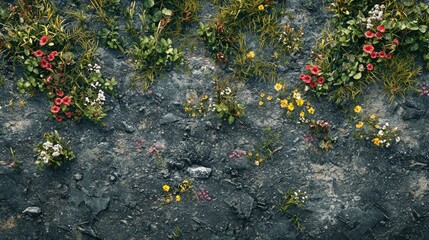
(43, 40)
(194, 115)
(369, 34)
(357, 109)
(69, 114)
(278, 87)
(368, 49)
(313, 69)
(55, 109)
(359, 124)
(320, 80)
(380, 133)
(300, 102)
(66, 100)
(301, 114)
(311, 110)
(290, 107)
(305, 78)
(261, 103)
(269, 98)
(58, 101)
(276, 55)
(396, 41)
(59, 93)
(47, 145)
(178, 198)
(44, 63)
(251, 55)
(250, 154)
(398, 139)
(51, 56)
(257, 163)
(370, 67)
(55, 154)
(372, 116)
(381, 29)
(38, 53)
(382, 54)
(261, 7)
(376, 141)
(312, 85)
(262, 95)
(296, 95)
(283, 103)
(166, 188)
(378, 35)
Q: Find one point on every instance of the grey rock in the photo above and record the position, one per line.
(128, 128)
(241, 203)
(169, 118)
(97, 204)
(34, 211)
(78, 176)
(199, 172)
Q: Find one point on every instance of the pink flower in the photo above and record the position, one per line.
(306, 79)
(382, 54)
(374, 55)
(320, 80)
(66, 101)
(38, 53)
(378, 35)
(368, 49)
(43, 40)
(43, 63)
(69, 114)
(55, 109)
(369, 34)
(312, 84)
(396, 41)
(389, 56)
(59, 118)
(59, 93)
(369, 66)
(381, 29)
(58, 101)
(314, 69)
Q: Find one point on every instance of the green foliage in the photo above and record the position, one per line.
(220, 40)
(53, 152)
(293, 198)
(226, 106)
(111, 38)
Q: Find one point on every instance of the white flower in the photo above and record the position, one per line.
(47, 145)
(57, 148)
(42, 153)
(55, 154)
(45, 159)
(380, 132)
(398, 139)
(227, 91)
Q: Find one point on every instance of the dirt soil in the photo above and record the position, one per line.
(113, 189)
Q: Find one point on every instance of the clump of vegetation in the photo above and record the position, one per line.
(293, 198)
(174, 193)
(53, 152)
(266, 147)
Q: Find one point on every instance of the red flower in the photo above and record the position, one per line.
(59, 93)
(52, 55)
(314, 69)
(49, 66)
(312, 84)
(389, 56)
(66, 100)
(306, 79)
(320, 80)
(378, 35)
(369, 34)
(368, 49)
(301, 76)
(382, 54)
(369, 66)
(381, 29)
(43, 40)
(44, 63)
(58, 101)
(59, 118)
(55, 109)
(396, 41)
(69, 114)
(374, 55)
(38, 53)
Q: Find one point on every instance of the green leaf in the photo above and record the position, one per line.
(423, 28)
(231, 119)
(167, 12)
(148, 3)
(357, 76)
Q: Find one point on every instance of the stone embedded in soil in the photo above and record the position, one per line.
(169, 118)
(199, 172)
(128, 128)
(97, 204)
(359, 221)
(78, 176)
(241, 203)
(34, 211)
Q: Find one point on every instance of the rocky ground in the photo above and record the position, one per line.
(113, 189)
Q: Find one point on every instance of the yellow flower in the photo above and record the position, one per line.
(257, 154)
(206, 97)
(261, 7)
(376, 141)
(251, 55)
(300, 102)
(283, 103)
(262, 95)
(372, 116)
(261, 103)
(250, 154)
(257, 163)
(290, 107)
(278, 87)
(311, 110)
(394, 129)
(182, 189)
(301, 114)
(178, 198)
(193, 114)
(166, 188)
(269, 98)
(359, 124)
(358, 109)
(276, 55)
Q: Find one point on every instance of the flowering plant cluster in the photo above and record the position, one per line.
(291, 39)
(290, 199)
(265, 148)
(373, 129)
(53, 152)
(174, 193)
